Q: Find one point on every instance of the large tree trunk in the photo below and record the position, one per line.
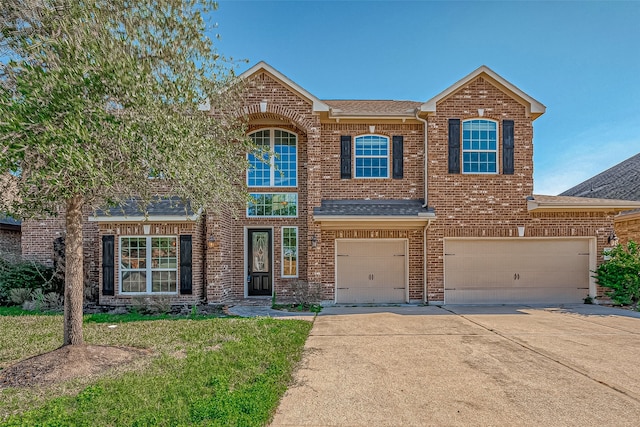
(74, 275)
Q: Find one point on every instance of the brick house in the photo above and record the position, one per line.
(10, 238)
(371, 201)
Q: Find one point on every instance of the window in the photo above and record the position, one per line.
(148, 264)
(279, 169)
(289, 251)
(479, 146)
(372, 156)
(273, 205)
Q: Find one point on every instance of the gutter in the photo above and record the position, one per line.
(426, 167)
(424, 263)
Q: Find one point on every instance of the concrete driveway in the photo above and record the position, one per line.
(402, 366)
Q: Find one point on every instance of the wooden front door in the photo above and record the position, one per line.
(259, 261)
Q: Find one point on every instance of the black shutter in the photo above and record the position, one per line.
(185, 265)
(398, 156)
(507, 147)
(108, 262)
(454, 145)
(345, 157)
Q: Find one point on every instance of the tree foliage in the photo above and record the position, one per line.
(100, 94)
(621, 274)
(96, 96)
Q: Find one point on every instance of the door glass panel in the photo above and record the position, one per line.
(260, 241)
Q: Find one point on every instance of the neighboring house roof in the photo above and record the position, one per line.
(535, 107)
(373, 108)
(621, 181)
(161, 209)
(318, 105)
(8, 223)
(367, 210)
(569, 203)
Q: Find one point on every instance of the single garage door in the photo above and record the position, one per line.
(371, 271)
(516, 271)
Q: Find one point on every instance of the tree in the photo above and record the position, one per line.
(97, 95)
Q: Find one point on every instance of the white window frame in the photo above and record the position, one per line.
(272, 159)
(463, 151)
(148, 268)
(282, 248)
(274, 216)
(363, 156)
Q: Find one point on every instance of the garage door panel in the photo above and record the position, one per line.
(371, 271)
(505, 271)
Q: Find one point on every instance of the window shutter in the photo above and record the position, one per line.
(185, 265)
(507, 147)
(454, 145)
(108, 262)
(398, 156)
(345, 157)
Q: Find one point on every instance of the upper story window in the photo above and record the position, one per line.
(479, 146)
(273, 205)
(372, 156)
(279, 169)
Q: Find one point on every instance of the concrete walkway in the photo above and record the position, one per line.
(414, 366)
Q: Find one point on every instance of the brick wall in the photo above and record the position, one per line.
(38, 236)
(627, 227)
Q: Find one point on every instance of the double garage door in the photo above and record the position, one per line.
(371, 271)
(512, 271)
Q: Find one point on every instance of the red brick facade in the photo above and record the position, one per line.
(465, 205)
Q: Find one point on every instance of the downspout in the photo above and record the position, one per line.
(426, 176)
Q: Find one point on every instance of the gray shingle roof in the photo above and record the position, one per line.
(7, 220)
(165, 206)
(354, 107)
(622, 181)
(371, 208)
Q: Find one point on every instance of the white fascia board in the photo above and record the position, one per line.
(150, 218)
(536, 107)
(318, 105)
(532, 205)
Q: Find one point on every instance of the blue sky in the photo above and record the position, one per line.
(579, 58)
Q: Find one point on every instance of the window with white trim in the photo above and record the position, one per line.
(372, 156)
(479, 146)
(148, 265)
(276, 162)
(289, 251)
(273, 205)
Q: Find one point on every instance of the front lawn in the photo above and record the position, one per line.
(210, 371)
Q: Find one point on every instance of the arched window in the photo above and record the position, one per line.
(279, 170)
(479, 146)
(372, 156)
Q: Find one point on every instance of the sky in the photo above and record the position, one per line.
(581, 59)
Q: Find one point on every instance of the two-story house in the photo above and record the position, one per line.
(372, 201)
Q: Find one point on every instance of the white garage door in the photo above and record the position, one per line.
(513, 271)
(371, 271)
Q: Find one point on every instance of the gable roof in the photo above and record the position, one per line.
(621, 181)
(535, 107)
(318, 105)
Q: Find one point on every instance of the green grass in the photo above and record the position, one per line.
(205, 372)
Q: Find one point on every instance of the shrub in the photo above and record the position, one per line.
(621, 274)
(28, 275)
(19, 295)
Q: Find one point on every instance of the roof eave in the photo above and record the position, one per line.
(142, 218)
(533, 206)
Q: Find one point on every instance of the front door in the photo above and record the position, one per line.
(259, 277)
